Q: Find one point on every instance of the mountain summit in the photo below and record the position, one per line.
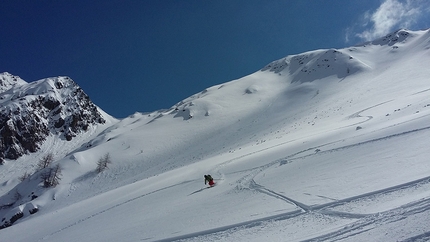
(30, 112)
(326, 145)
(7, 81)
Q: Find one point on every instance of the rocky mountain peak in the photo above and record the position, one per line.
(30, 112)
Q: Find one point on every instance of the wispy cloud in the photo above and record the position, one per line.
(390, 15)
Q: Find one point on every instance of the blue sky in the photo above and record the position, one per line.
(141, 56)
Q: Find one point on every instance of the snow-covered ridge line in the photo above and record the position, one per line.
(7, 81)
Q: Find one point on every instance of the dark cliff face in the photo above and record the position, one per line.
(30, 112)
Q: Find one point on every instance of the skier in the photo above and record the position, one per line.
(209, 179)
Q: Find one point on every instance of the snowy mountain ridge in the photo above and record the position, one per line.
(7, 81)
(323, 145)
(30, 112)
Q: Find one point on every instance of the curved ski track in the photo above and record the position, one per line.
(364, 222)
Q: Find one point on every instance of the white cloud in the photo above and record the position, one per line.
(391, 14)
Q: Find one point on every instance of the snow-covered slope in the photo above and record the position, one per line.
(324, 145)
(52, 115)
(8, 81)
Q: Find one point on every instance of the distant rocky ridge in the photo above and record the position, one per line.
(30, 112)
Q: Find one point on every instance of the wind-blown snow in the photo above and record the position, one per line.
(328, 145)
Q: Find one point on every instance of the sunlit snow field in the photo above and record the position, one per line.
(328, 145)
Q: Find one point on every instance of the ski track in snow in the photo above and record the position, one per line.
(362, 223)
(365, 222)
(357, 114)
(112, 207)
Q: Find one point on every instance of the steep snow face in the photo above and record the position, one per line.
(31, 111)
(327, 144)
